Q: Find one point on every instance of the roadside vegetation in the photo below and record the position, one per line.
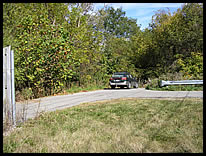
(27, 93)
(177, 88)
(62, 48)
(76, 89)
(58, 44)
(155, 85)
(124, 125)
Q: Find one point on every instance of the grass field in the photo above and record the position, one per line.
(117, 126)
(178, 88)
(76, 89)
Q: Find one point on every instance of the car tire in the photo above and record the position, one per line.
(129, 85)
(113, 87)
(136, 85)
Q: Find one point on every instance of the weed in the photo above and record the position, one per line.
(124, 125)
(76, 89)
(21, 114)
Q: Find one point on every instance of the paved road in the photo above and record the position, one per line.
(63, 101)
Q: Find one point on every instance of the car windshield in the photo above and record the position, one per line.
(118, 75)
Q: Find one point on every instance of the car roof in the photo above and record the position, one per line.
(121, 73)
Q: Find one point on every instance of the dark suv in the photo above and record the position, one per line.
(123, 79)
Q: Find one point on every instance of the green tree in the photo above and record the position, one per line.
(180, 33)
(117, 24)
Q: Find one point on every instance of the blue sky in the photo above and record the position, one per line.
(143, 12)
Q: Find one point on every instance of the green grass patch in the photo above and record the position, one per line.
(76, 89)
(117, 126)
(177, 88)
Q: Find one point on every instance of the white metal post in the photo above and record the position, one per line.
(13, 89)
(8, 85)
(9, 82)
(4, 81)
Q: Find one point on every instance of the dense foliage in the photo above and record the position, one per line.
(58, 44)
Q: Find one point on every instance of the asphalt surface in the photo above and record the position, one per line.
(53, 103)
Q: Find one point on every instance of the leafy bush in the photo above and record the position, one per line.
(191, 67)
(52, 51)
(153, 84)
(27, 93)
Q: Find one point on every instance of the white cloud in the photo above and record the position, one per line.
(142, 5)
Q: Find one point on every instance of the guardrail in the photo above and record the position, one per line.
(182, 82)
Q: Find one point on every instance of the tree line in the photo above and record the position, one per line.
(57, 44)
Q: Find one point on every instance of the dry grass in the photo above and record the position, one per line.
(116, 126)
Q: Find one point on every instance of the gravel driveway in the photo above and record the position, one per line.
(53, 103)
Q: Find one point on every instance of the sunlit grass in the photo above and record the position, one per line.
(76, 89)
(124, 125)
(177, 88)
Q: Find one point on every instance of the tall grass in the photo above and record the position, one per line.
(88, 87)
(27, 94)
(21, 114)
(117, 126)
